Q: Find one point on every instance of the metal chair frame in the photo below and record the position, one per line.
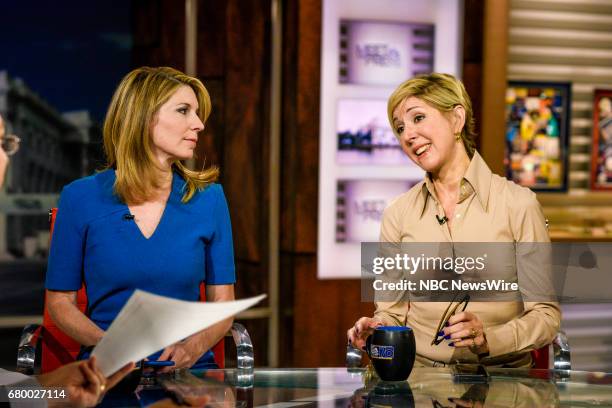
(32, 333)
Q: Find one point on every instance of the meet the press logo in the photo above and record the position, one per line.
(378, 54)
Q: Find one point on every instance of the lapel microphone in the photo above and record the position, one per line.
(128, 217)
(441, 220)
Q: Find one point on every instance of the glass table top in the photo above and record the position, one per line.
(426, 387)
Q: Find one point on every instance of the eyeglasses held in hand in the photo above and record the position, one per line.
(10, 144)
(457, 305)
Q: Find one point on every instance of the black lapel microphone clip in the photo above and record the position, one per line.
(441, 220)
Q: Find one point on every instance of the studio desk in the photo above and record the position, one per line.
(340, 387)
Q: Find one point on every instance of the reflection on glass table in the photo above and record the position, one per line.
(426, 387)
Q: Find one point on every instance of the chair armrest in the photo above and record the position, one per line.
(561, 353)
(353, 357)
(244, 347)
(26, 351)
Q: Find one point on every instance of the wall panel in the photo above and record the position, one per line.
(159, 33)
(233, 54)
(246, 78)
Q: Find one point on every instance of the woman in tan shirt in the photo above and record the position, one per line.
(460, 200)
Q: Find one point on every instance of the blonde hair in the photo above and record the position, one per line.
(127, 132)
(442, 91)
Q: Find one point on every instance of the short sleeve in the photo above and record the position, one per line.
(65, 264)
(220, 268)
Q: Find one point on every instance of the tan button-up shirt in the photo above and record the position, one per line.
(490, 209)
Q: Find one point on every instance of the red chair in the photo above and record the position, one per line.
(561, 354)
(58, 349)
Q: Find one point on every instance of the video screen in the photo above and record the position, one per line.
(384, 53)
(364, 134)
(360, 205)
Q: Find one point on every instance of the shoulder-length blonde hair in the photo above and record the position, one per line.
(443, 92)
(127, 132)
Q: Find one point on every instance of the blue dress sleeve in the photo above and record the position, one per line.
(220, 268)
(65, 264)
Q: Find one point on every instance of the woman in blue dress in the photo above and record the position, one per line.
(146, 221)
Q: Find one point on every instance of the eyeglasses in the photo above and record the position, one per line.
(456, 305)
(10, 144)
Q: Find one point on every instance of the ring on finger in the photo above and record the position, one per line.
(473, 332)
(102, 387)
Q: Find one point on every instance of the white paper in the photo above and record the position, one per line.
(148, 323)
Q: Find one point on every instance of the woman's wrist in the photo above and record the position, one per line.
(483, 350)
(196, 343)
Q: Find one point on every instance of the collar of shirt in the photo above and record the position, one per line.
(477, 179)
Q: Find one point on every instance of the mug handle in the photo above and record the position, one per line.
(368, 343)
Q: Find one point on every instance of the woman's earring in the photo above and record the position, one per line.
(458, 136)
